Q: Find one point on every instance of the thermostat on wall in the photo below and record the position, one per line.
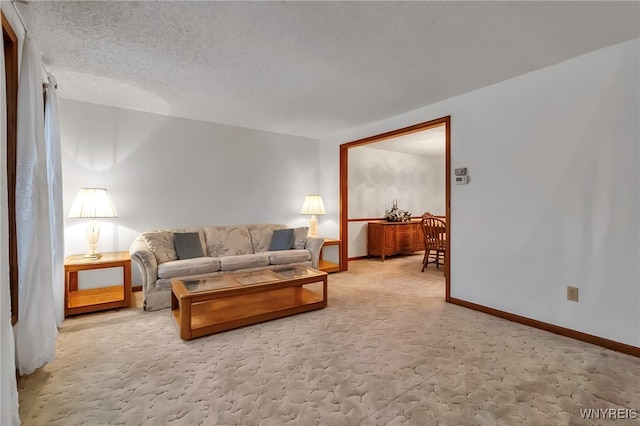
(461, 180)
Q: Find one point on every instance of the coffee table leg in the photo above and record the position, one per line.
(174, 301)
(325, 295)
(185, 319)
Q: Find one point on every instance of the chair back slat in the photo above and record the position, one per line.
(434, 231)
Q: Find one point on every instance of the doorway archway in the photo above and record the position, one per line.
(344, 186)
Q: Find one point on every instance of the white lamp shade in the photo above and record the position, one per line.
(313, 205)
(93, 203)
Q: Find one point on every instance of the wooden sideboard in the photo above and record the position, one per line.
(389, 238)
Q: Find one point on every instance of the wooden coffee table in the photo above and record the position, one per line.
(215, 304)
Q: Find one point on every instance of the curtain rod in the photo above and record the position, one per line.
(13, 3)
(26, 31)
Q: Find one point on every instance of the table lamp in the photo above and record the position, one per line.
(313, 205)
(93, 203)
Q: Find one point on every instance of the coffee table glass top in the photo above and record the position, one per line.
(226, 282)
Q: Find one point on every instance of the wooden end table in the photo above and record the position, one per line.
(96, 299)
(325, 265)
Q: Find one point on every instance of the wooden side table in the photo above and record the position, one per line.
(325, 265)
(96, 299)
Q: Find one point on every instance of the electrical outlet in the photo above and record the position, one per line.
(572, 293)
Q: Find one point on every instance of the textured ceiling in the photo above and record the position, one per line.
(307, 68)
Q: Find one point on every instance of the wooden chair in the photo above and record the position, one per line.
(435, 239)
(426, 252)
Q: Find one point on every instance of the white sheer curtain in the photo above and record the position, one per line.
(54, 180)
(8, 389)
(36, 330)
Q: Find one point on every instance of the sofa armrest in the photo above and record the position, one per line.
(142, 255)
(314, 245)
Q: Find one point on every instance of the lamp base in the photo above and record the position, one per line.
(94, 256)
(93, 235)
(313, 226)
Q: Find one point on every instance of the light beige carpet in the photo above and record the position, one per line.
(387, 350)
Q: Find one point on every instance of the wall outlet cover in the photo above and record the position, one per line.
(572, 293)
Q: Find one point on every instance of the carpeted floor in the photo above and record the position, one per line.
(387, 350)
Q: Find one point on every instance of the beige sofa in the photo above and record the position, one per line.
(225, 249)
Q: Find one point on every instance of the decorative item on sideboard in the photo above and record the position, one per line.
(395, 214)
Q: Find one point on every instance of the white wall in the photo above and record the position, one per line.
(377, 177)
(554, 193)
(171, 172)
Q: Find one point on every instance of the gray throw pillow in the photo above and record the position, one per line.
(282, 239)
(187, 245)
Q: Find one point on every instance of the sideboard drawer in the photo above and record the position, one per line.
(405, 241)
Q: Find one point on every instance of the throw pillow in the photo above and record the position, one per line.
(187, 245)
(161, 245)
(300, 237)
(282, 239)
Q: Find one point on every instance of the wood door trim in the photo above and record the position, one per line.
(344, 184)
(11, 75)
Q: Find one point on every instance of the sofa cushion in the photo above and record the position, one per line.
(161, 245)
(300, 237)
(282, 239)
(261, 235)
(283, 257)
(233, 263)
(228, 240)
(187, 267)
(187, 245)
